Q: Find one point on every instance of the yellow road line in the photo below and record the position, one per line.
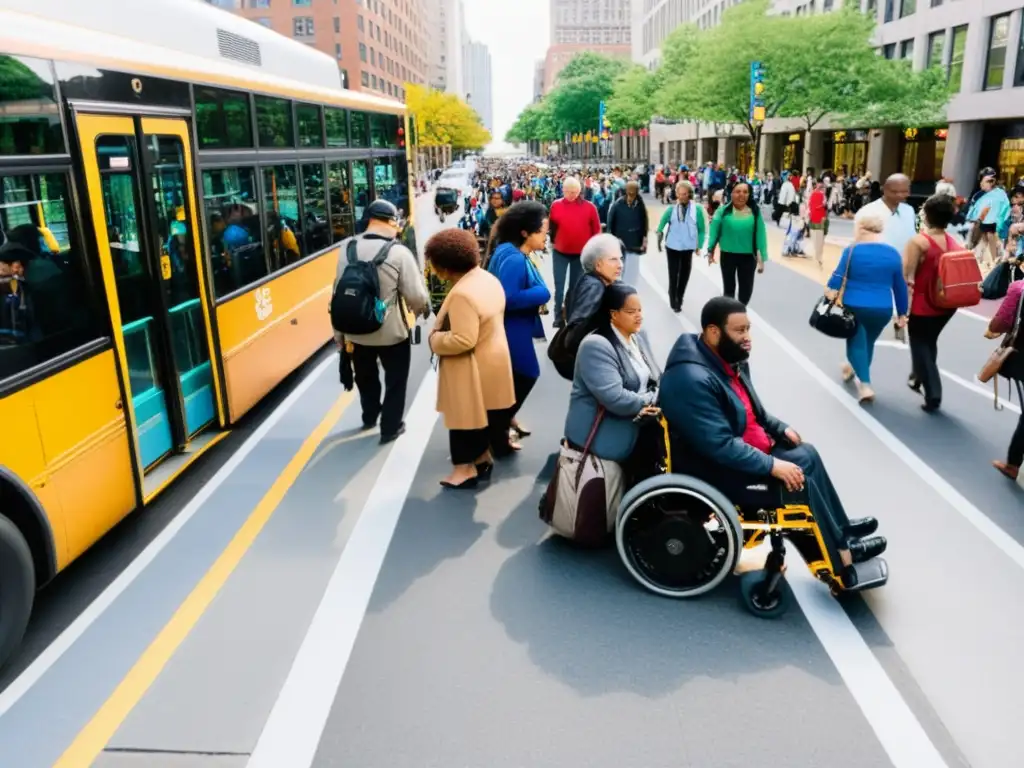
(92, 739)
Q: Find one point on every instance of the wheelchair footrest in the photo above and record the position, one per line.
(868, 575)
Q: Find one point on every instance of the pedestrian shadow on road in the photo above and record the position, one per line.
(430, 532)
(586, 623)
(522, 525)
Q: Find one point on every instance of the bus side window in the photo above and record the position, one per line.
(45, 307)
(232, 206)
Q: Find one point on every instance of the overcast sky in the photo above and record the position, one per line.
(516, 32)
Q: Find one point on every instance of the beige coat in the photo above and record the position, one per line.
(475, 369)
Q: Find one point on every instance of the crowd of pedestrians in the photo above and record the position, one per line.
(483, 336)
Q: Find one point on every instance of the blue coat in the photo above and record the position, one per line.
(604, 376)
(706, 416)
(875, 277)
(525, 293)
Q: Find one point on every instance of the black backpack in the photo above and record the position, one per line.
(356, 306)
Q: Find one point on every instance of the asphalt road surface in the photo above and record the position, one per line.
(307, 597)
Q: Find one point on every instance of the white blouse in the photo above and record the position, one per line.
(636, 358)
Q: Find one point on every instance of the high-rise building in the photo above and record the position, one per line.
(588, 22)
(586, 25)
(446, 31)
(380, 45)
(479, 81)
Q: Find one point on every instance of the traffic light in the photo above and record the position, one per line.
(401, 137)
(757, 91)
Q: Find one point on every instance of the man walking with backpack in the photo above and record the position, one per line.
(378, 281)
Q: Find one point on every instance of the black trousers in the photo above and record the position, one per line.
(923, 332)
(680, 264)
(1015, 455)
(395, 361)
(819, 493)
(738, 268)
(467, 445)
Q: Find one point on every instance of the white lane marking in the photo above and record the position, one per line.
(296, 723)
(24, 682)
(1000, 538)
(974, 315)
(972, 386)
(897, 729)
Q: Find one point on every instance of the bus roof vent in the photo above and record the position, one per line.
(239, 48)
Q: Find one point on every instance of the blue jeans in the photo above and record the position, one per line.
(860, 349)
(561, 264)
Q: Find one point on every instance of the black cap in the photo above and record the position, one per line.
(382, 210)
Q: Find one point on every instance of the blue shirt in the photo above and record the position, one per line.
(875, 277)
(525, 292)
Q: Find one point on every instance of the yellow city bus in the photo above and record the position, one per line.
(168, 221)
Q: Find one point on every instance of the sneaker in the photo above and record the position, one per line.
(385, 439)
(865, 549)
(858, 529)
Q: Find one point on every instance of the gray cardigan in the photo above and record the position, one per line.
(605, 376)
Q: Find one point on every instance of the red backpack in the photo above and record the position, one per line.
(957, 279)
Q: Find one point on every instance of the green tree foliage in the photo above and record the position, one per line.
(19, 83)
(816, 65)
(633, 98)
(533, 124)
(585, 82)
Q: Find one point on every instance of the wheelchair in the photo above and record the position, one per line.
(680, 537)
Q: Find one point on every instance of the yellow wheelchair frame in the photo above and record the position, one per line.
(793, 521)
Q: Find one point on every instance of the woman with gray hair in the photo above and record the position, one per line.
(601, 261)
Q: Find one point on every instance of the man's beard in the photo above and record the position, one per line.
(730, 351)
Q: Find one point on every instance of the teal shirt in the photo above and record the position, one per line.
(735, 233)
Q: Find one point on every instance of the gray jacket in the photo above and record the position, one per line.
(604, 376)
(400, 277)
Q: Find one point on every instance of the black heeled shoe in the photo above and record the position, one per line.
(520, 432)
(466, 484)
(484, 470)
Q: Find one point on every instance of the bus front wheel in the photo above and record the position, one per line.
(17, 587)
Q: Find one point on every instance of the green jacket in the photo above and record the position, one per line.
(702, 216)
(735, 234)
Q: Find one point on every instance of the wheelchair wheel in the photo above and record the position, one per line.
(678, 536)
(757, 602)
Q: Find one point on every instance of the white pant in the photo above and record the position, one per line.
(631, 269)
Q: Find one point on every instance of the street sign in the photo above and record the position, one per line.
(757, 90)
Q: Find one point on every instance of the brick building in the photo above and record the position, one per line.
(380, 45)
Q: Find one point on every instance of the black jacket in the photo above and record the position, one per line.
(629, 223)
(706, 417)
(581, 311)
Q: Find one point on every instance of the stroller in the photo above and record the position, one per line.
(793, 245)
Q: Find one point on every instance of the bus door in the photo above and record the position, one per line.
(141, 191)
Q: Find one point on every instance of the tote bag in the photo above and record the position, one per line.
(582, 499)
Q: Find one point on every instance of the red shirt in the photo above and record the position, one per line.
(754, 435)
(574, 224)
(816, 207)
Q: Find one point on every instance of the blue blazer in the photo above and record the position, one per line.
(525, 293)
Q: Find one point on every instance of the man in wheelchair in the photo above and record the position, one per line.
(721, 434)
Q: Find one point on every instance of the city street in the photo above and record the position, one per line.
(379, 620)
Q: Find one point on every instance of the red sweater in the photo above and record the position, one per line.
(816, 208)
(574, 223)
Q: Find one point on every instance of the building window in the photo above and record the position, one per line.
(302, 3)
(872, 7)
(936, 43)
(337, 25)
(259, 3)
(998, 41)
(364, 77)
(360, 24)
(373, 81)
(907, 49)
(1018, 78)
(362, 51)
(936, 3)
(907, 8)
(302, 26)
(889, 51)
(337, 50)
(373, 56)
(956, 56)
(890, 6)
(265, 22)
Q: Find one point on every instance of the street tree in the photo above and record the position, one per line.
(533, 124)
(585, 82)
(443, 119)
(633, 99)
